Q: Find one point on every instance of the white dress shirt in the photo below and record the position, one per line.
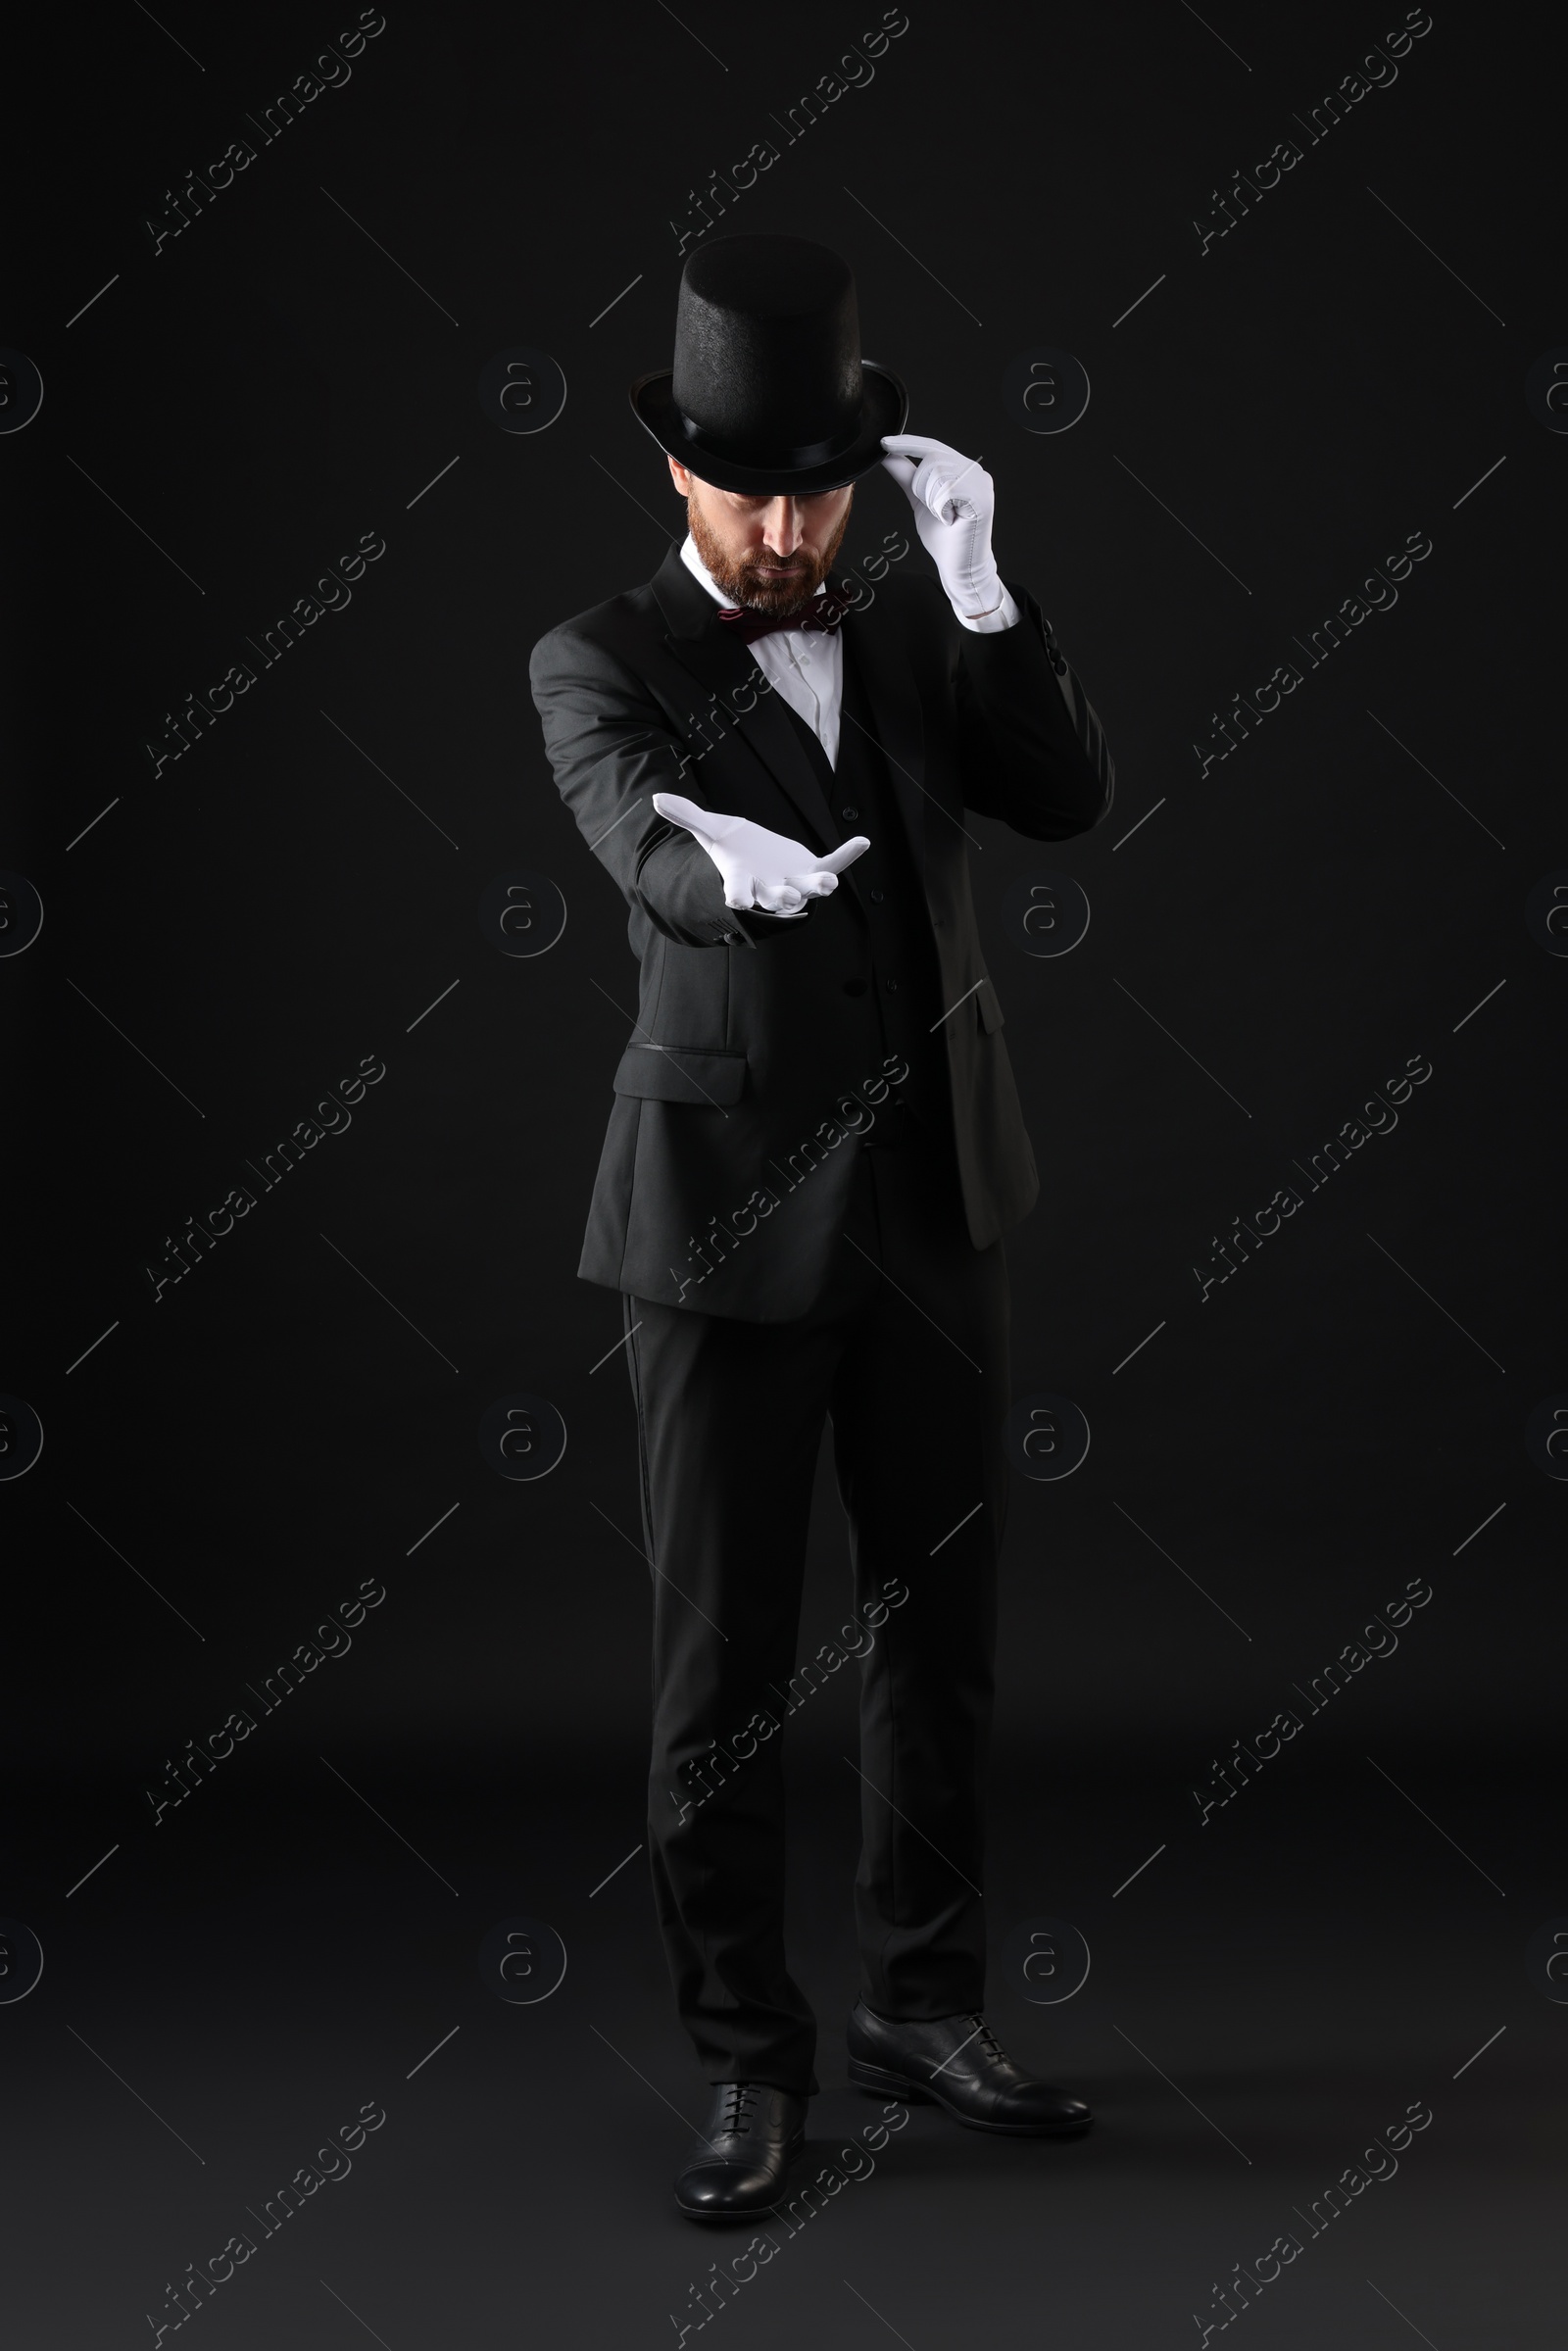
(806, 665)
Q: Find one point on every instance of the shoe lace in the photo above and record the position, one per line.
(736, 2112)
(987, 2039)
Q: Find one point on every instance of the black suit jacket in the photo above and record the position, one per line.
(752, 1070)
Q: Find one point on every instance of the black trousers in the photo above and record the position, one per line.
(907, 1350)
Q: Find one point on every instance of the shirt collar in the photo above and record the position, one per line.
(700, 571)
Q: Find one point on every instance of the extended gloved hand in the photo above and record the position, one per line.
(761, 869)
(954, 501)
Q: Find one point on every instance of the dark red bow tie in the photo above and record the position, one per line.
(825, 611)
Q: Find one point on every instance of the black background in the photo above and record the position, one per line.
(301, 889)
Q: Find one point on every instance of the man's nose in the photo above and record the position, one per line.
(782, 530)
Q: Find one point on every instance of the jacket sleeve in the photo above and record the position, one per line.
(1031, 749)
(611, 748)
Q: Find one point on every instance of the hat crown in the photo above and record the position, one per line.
(768, 344)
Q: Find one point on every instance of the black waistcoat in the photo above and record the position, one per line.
(897, 964)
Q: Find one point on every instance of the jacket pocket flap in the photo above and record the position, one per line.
(679, 1073)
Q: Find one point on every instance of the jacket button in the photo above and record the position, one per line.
(877, 897)
(854, 986)
(849, 815)
(890, 984)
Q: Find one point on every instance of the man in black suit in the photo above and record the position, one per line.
(815, 1150)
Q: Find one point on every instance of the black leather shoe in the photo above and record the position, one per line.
(959, 2063)
(753, 2134)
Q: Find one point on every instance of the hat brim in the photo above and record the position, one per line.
(885, 405)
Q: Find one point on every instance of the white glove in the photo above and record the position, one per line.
(953, 501)
(759, 868)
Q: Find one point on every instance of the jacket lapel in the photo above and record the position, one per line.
(887, 681)
(720, 664)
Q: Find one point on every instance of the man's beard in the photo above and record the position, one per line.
(740, 582)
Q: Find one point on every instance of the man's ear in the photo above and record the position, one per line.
(679, 476)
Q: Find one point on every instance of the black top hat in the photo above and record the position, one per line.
(769, 392)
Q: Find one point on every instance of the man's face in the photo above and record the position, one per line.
(771, 554)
